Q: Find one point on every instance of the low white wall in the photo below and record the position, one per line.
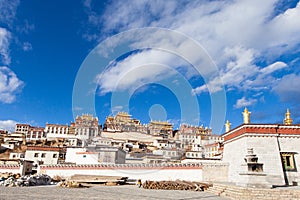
(10, 169)
(144, 172)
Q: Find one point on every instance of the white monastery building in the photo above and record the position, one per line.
(263, 155)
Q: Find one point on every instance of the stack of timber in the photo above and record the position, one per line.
(175, 185)
(71, 184)
(98, 179)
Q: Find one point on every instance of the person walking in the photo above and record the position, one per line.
(139, 183)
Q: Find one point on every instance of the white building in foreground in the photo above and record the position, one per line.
(263, 155)
(95, 155)
(42, 155)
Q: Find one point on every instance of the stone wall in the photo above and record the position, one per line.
(266, 149)
(291, 144)
(215, 172)
(234, 153)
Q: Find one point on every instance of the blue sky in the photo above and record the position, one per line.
(253, 45)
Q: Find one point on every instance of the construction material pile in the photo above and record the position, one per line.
(84, 180)
(15, 180)
(99, 179)
(175, 185)
(70, 184)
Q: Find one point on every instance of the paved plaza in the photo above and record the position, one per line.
(99, 192)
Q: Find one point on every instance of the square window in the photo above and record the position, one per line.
(43, 155)
(55, 155)
(36, 155)
(288, 161)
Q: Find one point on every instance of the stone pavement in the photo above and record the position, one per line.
(99, 192)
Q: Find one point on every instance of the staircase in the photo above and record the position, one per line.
(217, 189)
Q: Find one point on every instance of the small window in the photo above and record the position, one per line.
(55, 155)
(43, 155)
(36, 155)
(288, 161)
(84, 156)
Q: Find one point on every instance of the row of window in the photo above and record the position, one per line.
(43, 155)
(194, 155)
(172, 153)
(57, 132)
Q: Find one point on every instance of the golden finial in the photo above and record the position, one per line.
(288, 120)
(227, 126)
(246, 115)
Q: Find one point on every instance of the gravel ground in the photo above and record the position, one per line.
(98, 192)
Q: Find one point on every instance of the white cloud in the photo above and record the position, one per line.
(8, 125)
(240, 73)
(117, 109)
(236, 34)
(136, 69)
(263, 79)
(8, 11)
(4, 45)
(243, 102)
(77, 108)
(10, 85)
(26, 27)
(288, 88)
(27, 46)
(273, 67)
(7, 14)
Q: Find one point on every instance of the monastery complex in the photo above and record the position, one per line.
(249, 155)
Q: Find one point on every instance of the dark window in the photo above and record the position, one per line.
(55, 155)
(36, 155)
(43, 155)
(288, 161)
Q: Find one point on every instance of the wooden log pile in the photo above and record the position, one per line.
(99, 179)
(71, 184)
(175, 185)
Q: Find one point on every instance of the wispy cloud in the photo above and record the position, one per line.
(7, 15)
(77, 108)
(27, 46)
(10, 85)
(8, 10)
(117, 109)
(236, 34)
(288, 88)
(273, 67)
(137, 69)
(243, 102)
(9, 28)
(25, 28)
(8, 125)
(5, 37)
